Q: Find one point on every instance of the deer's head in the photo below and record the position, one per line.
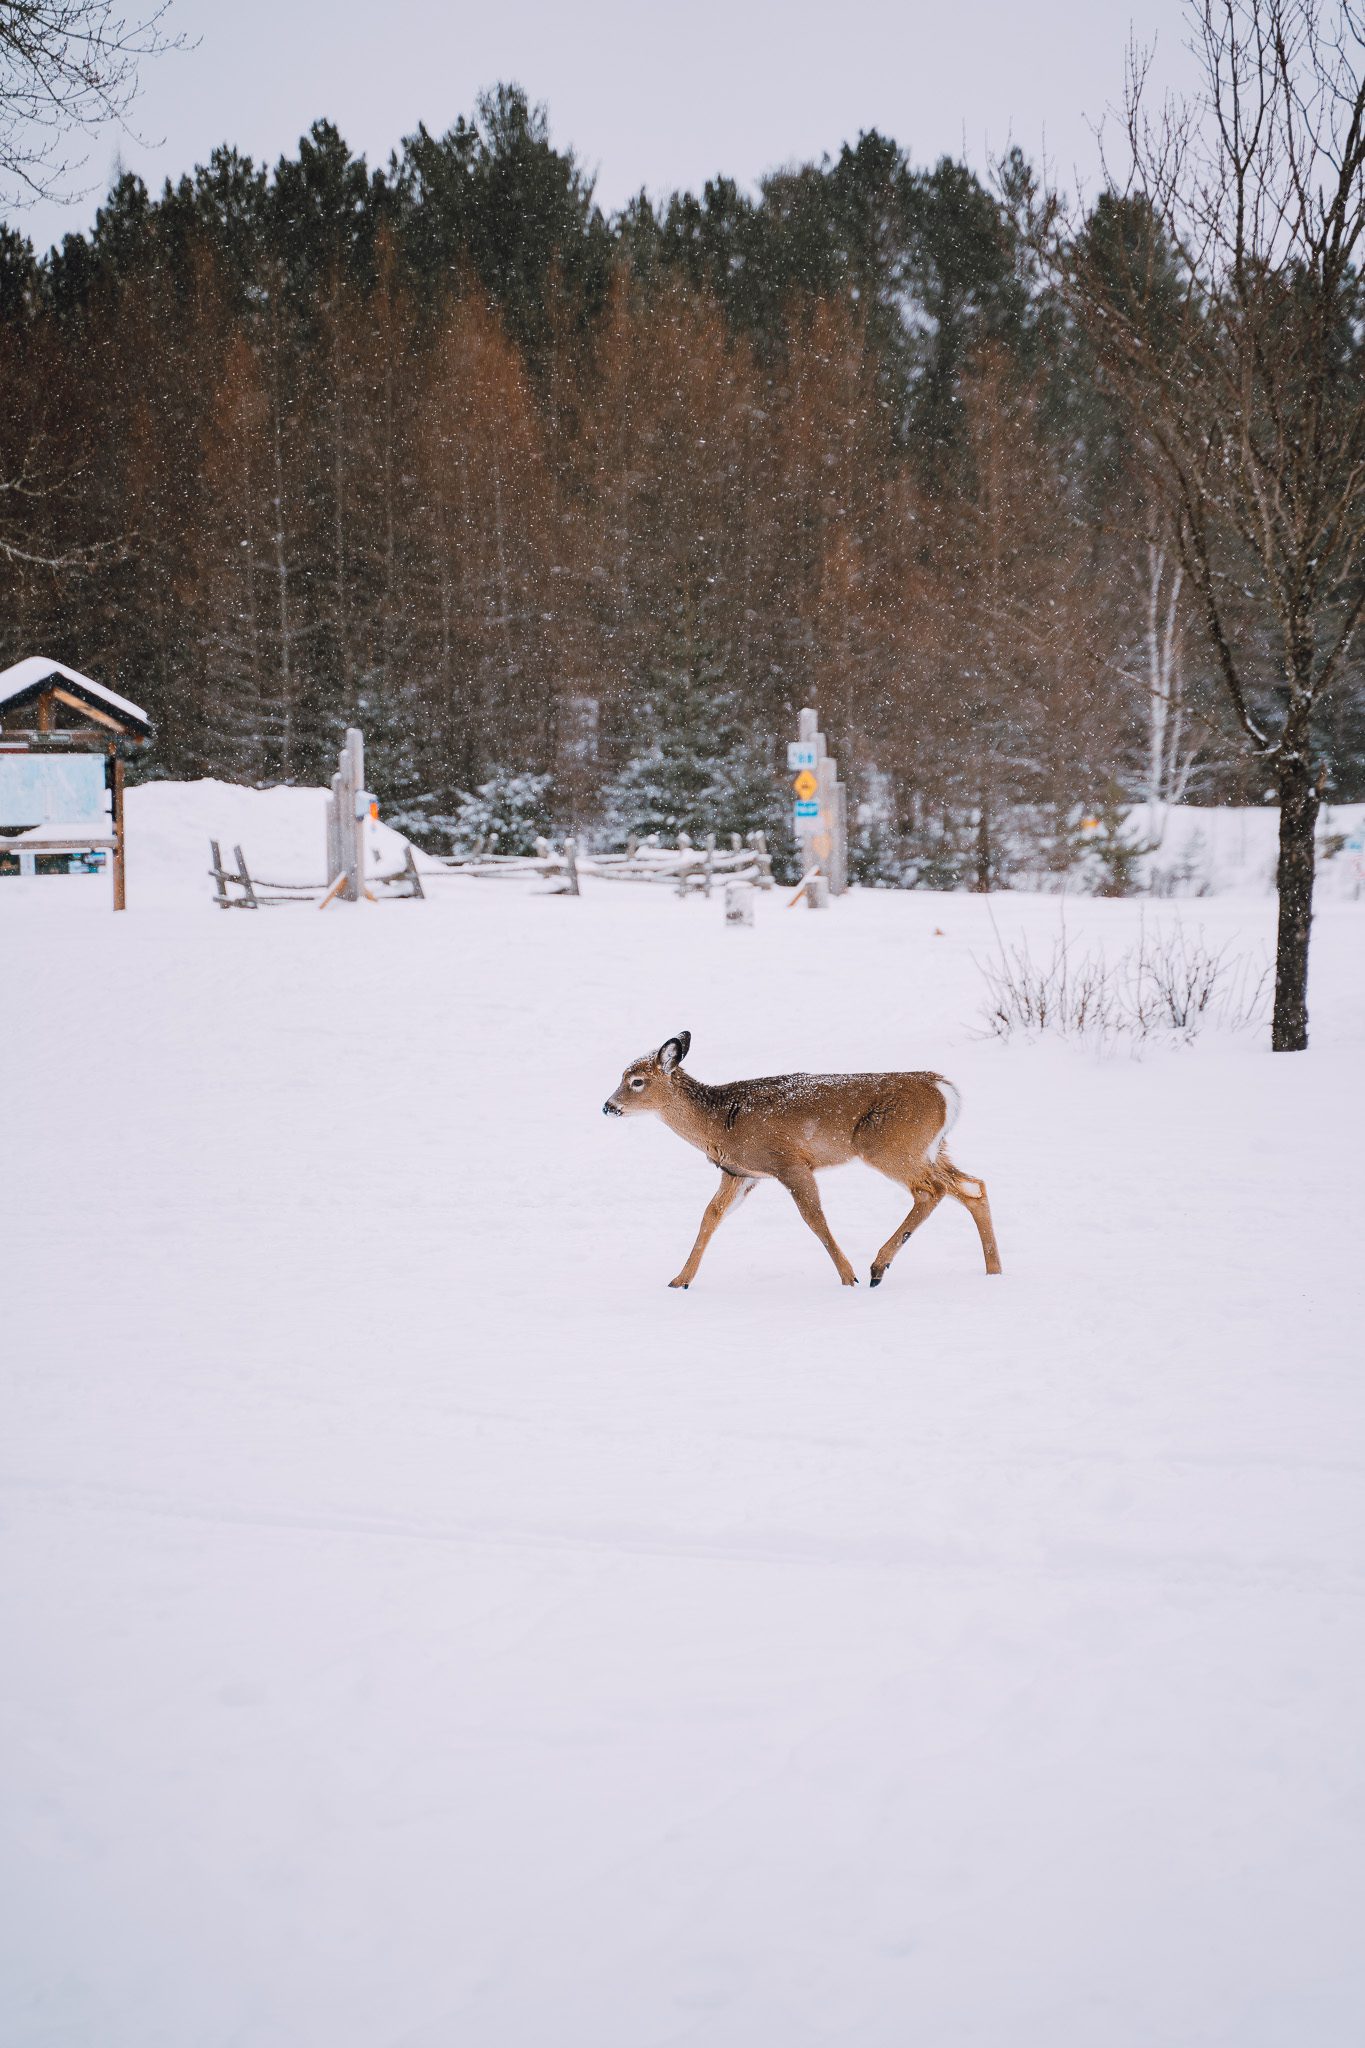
(646, 1082)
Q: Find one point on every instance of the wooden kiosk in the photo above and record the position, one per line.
(52, 717)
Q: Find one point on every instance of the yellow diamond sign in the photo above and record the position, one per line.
(805, 785)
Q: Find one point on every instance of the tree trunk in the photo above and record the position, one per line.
(985, 861)
(1298, 824)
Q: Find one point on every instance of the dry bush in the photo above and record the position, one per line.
(1173, 985)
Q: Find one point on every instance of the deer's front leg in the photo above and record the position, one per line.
(733, 1187)
(807, 1199)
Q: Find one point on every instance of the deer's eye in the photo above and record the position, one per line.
(638, 1083)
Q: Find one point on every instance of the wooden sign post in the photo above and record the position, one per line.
(347, 809)
(120, 846)
(820, 814)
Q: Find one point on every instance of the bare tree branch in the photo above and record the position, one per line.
(66, 65)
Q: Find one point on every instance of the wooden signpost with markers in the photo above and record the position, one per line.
(64, 740)
(819, 815)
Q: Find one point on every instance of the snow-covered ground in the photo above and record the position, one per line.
(422, 1628)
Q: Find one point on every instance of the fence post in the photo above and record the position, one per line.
(739, 903)
(245, 879)
(758, 842)
(571, 866)
(334, 831)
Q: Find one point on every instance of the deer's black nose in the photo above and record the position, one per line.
(610, 1109)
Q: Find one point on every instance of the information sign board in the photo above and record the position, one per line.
(45, 789)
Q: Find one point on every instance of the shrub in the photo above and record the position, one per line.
(1170, 986)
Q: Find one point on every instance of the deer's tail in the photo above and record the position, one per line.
(952, 1110)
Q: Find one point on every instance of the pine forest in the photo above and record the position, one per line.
(571, 514)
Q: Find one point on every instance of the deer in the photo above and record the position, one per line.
(789, 1127)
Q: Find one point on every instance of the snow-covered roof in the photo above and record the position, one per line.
(34, 669)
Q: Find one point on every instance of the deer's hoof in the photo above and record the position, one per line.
(878, 1275)
(684, 1284)
(852, 1280)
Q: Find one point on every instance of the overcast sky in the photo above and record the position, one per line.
(649, 95)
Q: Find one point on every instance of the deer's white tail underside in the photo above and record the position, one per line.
(952, 1110)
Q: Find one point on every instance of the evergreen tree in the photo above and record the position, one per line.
(699, 769)
(511, 809)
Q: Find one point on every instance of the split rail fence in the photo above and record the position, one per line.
(685, 868)
(255, 893)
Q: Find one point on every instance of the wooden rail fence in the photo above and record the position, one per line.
(685, 868)
(258, 894)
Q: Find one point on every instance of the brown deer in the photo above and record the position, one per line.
(787, 1127)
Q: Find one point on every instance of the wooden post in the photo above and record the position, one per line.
(244, 878)
(739, 903)
(334, 831)
(120, 868)
(571, 866)
(415, 879)
(346, 830)
(219, 879)
(352, 825)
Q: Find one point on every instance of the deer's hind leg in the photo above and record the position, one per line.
(904, 1156)
(929, 1180)
(927, 1196)
(968, 1189)
(733, 1187)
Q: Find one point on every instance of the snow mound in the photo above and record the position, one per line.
(282, 832)
(1204, 850)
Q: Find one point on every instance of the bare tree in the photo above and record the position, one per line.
(1218, 283)
(1171, 757)
(64, 65)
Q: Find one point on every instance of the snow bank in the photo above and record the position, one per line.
(282, 832)
(1199, 850)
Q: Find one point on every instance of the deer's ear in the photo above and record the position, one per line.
(674, 1050)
